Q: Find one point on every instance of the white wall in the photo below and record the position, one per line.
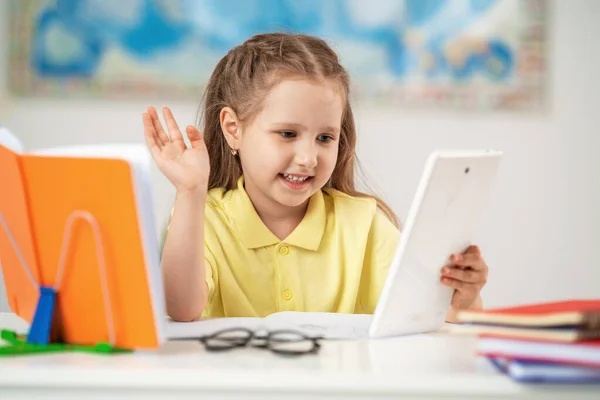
(541, 233)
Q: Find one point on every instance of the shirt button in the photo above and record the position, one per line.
(287, 295)
(284, 250)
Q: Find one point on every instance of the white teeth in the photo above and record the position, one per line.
(294, 178)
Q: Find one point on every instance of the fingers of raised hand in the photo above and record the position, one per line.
(195, 137)
(152, 141)
(160, 132)
(174, 132)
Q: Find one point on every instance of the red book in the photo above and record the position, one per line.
(584, 314)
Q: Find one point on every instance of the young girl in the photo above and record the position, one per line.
(266, 216)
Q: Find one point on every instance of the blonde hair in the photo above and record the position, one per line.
(242, 80)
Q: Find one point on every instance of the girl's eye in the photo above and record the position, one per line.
(324, 138)
(288, 134)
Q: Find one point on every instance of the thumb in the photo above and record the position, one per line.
(196, 139)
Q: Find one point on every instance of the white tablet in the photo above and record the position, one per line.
(442, 220)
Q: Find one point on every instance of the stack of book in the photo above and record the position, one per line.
(546, 342)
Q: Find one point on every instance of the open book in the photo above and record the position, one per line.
(110, 283)
(313, 324)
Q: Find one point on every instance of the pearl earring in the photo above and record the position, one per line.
(234, 152)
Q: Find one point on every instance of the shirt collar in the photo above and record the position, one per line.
(255, 234)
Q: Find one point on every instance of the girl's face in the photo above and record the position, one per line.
(289, 151)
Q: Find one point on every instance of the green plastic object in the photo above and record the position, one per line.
(18, 346)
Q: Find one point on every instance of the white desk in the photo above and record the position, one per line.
(431, 366)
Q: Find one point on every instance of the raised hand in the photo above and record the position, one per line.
(187, 168)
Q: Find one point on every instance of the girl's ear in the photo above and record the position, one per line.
(231, 127)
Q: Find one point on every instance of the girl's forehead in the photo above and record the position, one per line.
(321, 100)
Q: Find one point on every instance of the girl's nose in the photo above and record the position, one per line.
(306, 156)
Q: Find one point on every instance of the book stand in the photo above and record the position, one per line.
(38, 338)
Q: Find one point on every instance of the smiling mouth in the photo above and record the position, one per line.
(295, 178)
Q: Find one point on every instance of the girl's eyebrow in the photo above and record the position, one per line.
(300, 127)
(289, 125)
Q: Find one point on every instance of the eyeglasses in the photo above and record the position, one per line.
(284, 342)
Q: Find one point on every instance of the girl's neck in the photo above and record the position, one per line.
(279, 219)
(281, 225)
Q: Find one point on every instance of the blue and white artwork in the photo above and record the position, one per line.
(475, 54)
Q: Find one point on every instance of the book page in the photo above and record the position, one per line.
(134, 153)
(326, 325)
(9, 140)
(313, 324)
(206, 327)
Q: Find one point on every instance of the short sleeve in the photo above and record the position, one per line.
(379, 252)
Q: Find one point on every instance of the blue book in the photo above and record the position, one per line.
(539, 372)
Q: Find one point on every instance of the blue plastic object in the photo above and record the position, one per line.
(38, 339)
(39, 332)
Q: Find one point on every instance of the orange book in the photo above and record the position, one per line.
(15, 215)
(581, 313)
(41, 192)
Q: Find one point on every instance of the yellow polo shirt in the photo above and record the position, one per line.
(336, 260)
